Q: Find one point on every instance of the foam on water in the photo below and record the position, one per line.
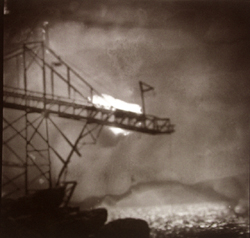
(185, 219)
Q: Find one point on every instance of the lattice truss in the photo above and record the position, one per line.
(40, 92)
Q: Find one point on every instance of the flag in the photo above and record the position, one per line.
(145, 87)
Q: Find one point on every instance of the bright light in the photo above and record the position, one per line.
(118, 131)
(110, 102)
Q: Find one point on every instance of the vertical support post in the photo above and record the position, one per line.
(44, 75)
(17, 73)
(46, 33)
(52, 81)
(49, 157)
(68, 77)
(26, 124)
(24, 70)
(26, 154)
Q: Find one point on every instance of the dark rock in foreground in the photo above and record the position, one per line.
(39, 202)
(82, 224)
(125, 228)
(40, 216)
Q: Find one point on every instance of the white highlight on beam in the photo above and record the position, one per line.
(118, 131)
(33, 157)
(112, 103)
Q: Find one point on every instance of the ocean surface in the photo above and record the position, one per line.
(187, 220)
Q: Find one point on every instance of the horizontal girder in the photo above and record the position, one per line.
(68, 108)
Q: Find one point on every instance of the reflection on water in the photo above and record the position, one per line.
(195, 220)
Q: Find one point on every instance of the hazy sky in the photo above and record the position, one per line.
(196, 56)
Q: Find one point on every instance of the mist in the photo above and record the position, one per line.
(194, 54)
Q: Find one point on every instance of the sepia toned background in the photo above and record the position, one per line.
(196, 56)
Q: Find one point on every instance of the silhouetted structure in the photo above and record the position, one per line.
(40, 87)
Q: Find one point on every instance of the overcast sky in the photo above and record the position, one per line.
(196, 56)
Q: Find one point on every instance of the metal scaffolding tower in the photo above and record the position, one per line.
(40, 89)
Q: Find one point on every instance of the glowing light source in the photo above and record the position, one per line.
(118, 131)
(112, 103)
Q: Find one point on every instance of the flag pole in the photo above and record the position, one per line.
(144, 88)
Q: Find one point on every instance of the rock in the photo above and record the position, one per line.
(93, 219)
(125, 228)
(82, 224)
(48, 198)
(41, 201)
(38, 216)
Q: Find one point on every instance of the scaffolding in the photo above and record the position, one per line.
(39, 90)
